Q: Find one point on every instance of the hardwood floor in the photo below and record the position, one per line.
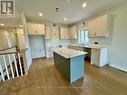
(45, 79)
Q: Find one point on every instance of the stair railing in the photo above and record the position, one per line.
(13, 64)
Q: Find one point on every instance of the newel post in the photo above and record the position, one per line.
(24, 61)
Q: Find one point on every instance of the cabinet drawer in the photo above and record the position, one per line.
(95, 51)
(95, 59)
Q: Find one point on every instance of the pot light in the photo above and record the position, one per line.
(40, 14)
(65, 19)
(2, 24)
(84, 4)
(20, 25)
(13, 30)
(68, 1)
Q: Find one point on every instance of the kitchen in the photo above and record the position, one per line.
(61, 36)
(73, 47)
(69, 37)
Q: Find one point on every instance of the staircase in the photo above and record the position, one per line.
(12, 63)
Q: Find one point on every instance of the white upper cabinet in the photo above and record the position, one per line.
(36, 29)
(98, 27)
(73, 32)
(64, 33)
(48, 32)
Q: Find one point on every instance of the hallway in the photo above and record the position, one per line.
(45, 79)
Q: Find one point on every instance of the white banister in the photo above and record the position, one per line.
(20, 64)
(2, 75)
(5, 64)
(10, 62)
(15, 65)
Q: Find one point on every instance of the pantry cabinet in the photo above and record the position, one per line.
(98, 26)
(64, 33)
(73, 32)
(36, 29)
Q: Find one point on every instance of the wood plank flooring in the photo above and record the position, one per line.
(45, 79)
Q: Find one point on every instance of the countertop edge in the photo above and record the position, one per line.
(70, 56)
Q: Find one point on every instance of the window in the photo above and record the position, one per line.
(83, 36)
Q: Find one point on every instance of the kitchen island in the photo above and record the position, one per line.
(70, 63)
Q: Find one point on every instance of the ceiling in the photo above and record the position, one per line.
(71, 9)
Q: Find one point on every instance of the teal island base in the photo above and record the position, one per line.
(72, 68)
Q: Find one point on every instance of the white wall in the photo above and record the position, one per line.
(3, 38)
(4, 42)
(118, 50)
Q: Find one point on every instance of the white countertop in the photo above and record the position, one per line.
(68, 53)
(96, 46)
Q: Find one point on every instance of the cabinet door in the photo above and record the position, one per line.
(64, 33)
(39, 29)
(30, 29)
(95, 57)
(35, 29)
(48, 32)
(102, 25)
(92, 28)
(73, 32)
(97, 27)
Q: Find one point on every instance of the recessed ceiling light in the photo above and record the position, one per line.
(68, 1)
(84, 4)
(65, 19)
(20, 25)
(13, 30)
(40, 14)
(2, 24)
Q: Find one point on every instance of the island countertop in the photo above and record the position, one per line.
(68, 53)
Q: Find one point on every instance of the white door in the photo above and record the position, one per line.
(37, 46)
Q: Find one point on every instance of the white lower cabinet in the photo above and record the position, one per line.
(99, 57)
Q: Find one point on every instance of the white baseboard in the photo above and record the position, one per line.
(118, 67)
